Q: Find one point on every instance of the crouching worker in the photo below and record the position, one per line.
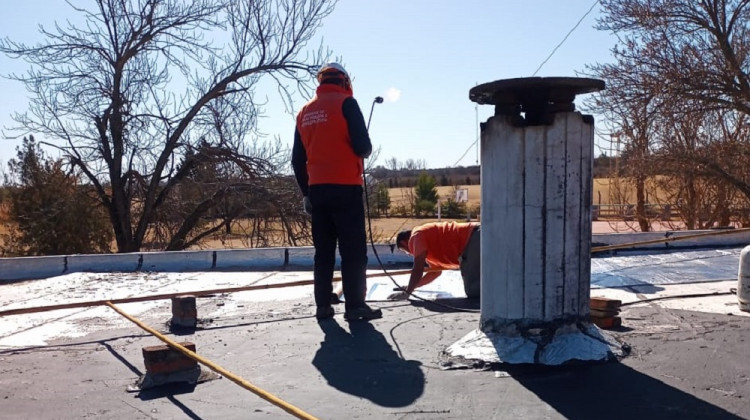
(330, 143)
(442, 246)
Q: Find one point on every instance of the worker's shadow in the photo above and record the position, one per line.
(362, 363)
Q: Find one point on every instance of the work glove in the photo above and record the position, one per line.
(402, 295)
(307, 205)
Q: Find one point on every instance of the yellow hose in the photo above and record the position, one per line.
(296, 412)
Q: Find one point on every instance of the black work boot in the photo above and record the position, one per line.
(324, 312)
(363, 312)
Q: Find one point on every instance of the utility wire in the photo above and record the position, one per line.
(540, 66)
(565, 38)
(465, 152)
(476, 110)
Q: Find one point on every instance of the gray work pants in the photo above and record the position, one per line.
(470, 265)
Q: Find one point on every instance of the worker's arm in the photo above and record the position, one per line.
(299, 163)
(418, 277)
(360, 138)
(429, 277)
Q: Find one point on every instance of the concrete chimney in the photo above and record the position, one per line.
(537, 158)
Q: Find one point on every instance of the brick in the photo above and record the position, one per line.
(603, 313)
(184, 311)
(604, 303)
(607, 323)
(164, 359)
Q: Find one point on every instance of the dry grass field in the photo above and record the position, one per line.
(402, 196)
(385, 229)
(600, 194)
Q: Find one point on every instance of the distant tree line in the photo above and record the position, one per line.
(397, 174)
(404, 176)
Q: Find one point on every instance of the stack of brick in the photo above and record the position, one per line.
(604, 312)
(165, 365)
(165, 360)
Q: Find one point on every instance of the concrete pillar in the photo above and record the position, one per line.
(536, 222)
(537, 157)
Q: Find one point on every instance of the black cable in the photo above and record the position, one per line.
(395, 341)
(694, 295)
(372, 241)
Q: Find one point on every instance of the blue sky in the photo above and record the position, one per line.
(422, 55)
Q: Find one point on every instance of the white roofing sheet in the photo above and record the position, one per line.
(660, 267)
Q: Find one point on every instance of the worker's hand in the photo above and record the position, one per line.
(402, 295)
(307, 205)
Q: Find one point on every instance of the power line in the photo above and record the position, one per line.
(476, 110)
(540, 67)
(565, 38)
(467, 151)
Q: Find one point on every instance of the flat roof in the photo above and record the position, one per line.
(688, 359)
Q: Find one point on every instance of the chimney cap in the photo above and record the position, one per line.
(538, 97)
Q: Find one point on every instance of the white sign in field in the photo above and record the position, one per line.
(462, 195)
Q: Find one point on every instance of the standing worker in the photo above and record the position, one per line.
(330, 143)
(442, 245)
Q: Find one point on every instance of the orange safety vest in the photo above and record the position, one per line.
(443, 241)
(325, 136)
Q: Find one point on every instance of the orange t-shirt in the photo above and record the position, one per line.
(443, 241)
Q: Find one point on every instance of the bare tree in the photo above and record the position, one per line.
(413, 165)
(630, 114)
(139, 91)
(693, 49)
(392, 163)
(690, 141)
(685, 64)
